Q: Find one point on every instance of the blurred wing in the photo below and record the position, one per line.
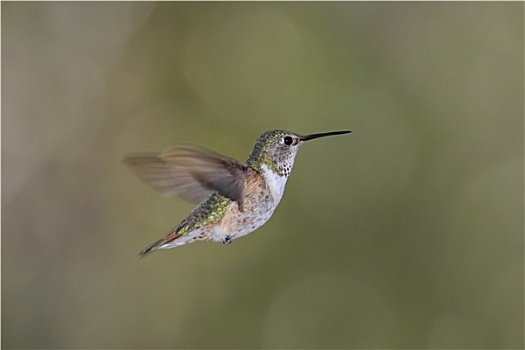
(190, 172)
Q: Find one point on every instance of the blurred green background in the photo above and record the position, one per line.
(407, 233)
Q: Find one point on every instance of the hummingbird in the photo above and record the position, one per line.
(234, 198)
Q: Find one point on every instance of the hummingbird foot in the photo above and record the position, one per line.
(227, 240)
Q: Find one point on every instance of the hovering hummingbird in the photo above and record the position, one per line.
(234, 198)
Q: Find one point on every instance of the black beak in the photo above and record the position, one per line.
(323, 134)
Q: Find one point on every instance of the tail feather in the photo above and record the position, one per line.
(151, 248)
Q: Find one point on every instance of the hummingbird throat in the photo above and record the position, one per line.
(275, 182)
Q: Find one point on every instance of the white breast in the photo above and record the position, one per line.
(276, 183)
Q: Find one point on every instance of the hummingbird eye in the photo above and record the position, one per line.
(288, 140)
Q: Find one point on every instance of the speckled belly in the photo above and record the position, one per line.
(258, 209)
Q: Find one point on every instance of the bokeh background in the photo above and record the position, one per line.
(407, 233)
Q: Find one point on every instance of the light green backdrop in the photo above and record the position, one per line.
(407, 233)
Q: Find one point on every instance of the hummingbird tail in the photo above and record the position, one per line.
(151, 248)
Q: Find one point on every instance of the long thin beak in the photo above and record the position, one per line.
(323, 134)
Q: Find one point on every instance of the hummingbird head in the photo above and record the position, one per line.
(277, 150)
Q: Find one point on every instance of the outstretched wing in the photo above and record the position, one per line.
(190, 172)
